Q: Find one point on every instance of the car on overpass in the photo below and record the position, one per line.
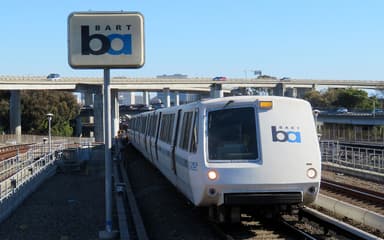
(220, 78)
(53, 76)
(342, 110)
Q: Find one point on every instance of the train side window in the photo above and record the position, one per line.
(143, 124)
(138, 124)
(182, 131)
(170, 128)
(163, 127)
(150, 127)
(166, 127)
(185, 130)
(154, 117)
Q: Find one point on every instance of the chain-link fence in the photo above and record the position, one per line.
(353, 155)
(352, 133)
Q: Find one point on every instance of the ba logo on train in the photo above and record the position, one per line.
(285, 134)
(98, 44)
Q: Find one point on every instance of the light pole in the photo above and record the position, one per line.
(257, 73)
(316, 114)
(49, 115)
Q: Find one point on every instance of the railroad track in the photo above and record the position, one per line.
(7, 168)
(305, 223)
(332, 228)
(356, 192)
(11, 151)
(254, 227)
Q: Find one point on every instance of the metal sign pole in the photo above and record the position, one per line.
(128, 30)
(107, 151)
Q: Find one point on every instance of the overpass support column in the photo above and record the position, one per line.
(130, 97)
(294, 92)
(88, 99)
(98, 116)
(15, 114)
(115, 112)
(167, 97)
(314, 87)
(177, 98)
(146, 97)
(280, 89)
(216, 91)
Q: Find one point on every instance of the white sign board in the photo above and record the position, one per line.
(106, 40)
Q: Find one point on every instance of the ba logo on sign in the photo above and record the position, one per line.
(123, 42)
(285, 135)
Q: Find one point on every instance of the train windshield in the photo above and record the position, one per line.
(232, 134)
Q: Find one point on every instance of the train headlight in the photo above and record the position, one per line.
(212, 175)
(311, 173)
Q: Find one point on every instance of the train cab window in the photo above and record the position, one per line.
(232, 134)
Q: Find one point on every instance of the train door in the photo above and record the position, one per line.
(157, 135)
(173, 155)
(150, 136)
(146, 133)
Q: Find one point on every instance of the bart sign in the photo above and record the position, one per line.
(106, 40)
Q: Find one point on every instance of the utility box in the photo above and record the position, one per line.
(74, 158)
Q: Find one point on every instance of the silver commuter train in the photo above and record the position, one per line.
(234, 152)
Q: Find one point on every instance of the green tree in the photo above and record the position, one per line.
(4, 111)
(354, 99)
(316, 99)
(35, 106)
(350, 97)
(331, 96)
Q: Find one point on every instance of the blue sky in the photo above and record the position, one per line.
(326, 39)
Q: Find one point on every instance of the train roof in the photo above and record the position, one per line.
(245, 99)
(219, 101)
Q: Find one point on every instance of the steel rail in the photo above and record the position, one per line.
(334, 224)
(359, 192)
(296, 230)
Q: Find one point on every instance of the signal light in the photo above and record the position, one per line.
(265, 104)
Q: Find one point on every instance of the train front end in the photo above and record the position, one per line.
(259, 151)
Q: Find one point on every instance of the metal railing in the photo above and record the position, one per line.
(365, 158)
(16, 171)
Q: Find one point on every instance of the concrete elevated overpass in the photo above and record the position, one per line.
(188, 84)
(93, 86)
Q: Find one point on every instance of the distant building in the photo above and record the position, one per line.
(176, 76)
(183, 97)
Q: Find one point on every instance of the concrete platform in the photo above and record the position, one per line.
(67, 206)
